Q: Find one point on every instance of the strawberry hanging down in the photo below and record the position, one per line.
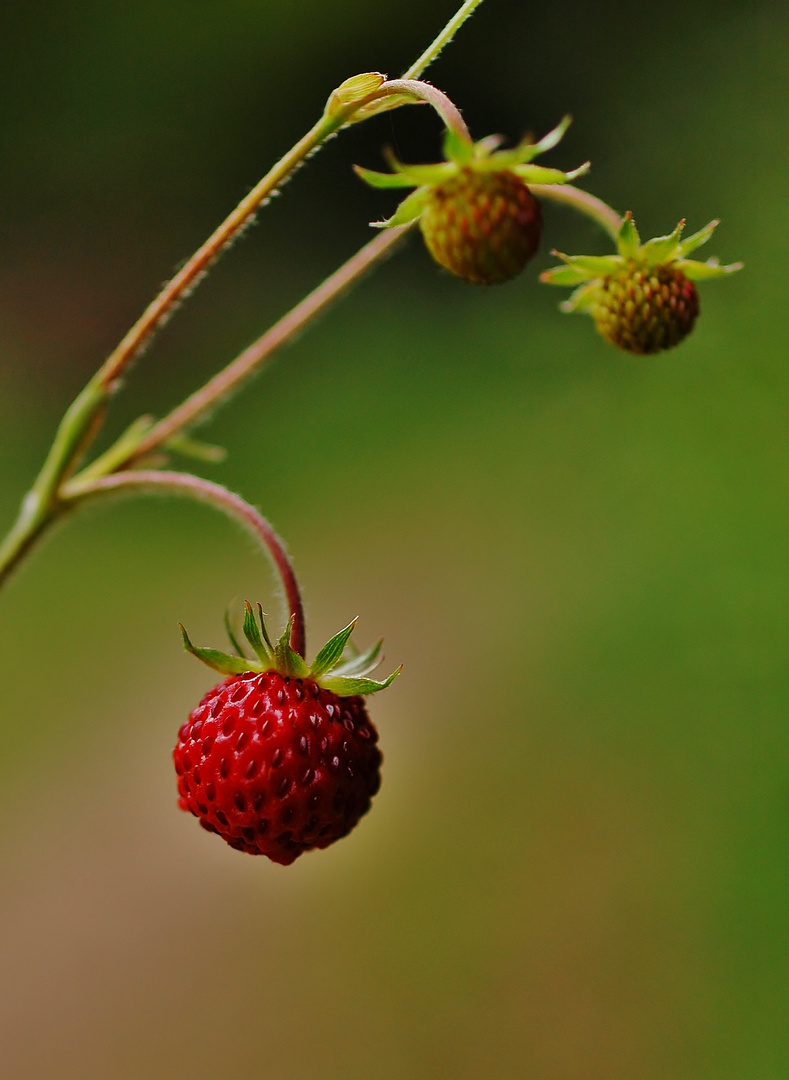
(476, 213)
(281, 757)
(643, 299)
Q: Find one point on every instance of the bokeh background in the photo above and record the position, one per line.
(578, 865)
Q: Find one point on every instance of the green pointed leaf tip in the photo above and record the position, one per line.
(362, 664)
(594, 265)
(564, 275)
(252, 634)
(628, 241)
(662, 249)
(690, 243)
(331, 653)
(553, 138)
(219, 661)
(541, 174)
(457, 148)
(231, 634)
(584, 297)
(706, 271)
(383, 180)
(286, 661)
(264, 628)
(409, 210)
(351, 687)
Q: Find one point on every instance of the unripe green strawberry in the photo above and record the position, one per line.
(482, 226)
(477, 215)
(644, 309)
(643, 298)
(281, 757)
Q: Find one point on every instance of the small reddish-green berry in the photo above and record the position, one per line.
(644, 309)
(277, 765)
(482, 226)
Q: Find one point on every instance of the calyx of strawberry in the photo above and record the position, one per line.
(590, 272)
(463, 155)
(334, 668)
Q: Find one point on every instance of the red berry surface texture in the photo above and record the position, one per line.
(276, 765)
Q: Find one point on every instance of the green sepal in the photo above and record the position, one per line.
(594, 265)
(690, 243)
(409, 210)
(286, 661)
(383, 180)
(195, 449)
(563, 275)
(252, 634)
(628, 241)
(528, 150)
(264, 629)
(458, 148)
(436, 173)
(541, 174)
(362, 664)
(345, 686)
(231, 633)
(487, 145)
(582, 299)
(331, 653)
(219, 661)
(706, 271)
(663, 249)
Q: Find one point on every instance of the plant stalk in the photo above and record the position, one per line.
(195, 487)
(582, 201)
(201, 403)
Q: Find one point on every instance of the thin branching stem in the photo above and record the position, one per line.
(433, 50)
(232, 505)
(202, 402)
(582, 201)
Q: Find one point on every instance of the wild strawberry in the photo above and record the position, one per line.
(644, 309)
(482, 226)
(477, 215)
(280, 758)
(642, 299)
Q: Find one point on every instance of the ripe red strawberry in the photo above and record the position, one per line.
(643, 298)
(482, 226)
(277, 765)
(475, 210)
(280, 758)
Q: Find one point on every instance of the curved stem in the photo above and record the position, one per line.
(196, 487)
(432, 51)
(590, 205)
(423, 91)
(217, 389)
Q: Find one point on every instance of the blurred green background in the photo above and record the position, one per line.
(578, 865)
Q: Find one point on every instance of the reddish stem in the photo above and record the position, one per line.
(198, 488)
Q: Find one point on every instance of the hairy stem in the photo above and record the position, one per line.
(431, 53)
(195, 487)
(423, 91)
(590, 205)
(189, 275)
(201, 403)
